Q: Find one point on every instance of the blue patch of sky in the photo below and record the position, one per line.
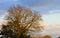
(38, 5)
(32, 2)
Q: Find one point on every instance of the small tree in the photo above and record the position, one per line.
(21, 21)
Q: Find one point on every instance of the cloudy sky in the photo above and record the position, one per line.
(43, 6)
(50, 10)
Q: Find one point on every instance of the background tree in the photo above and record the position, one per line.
(58, 37)
(47, 36)
(22, 21)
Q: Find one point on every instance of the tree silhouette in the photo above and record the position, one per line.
(58, 37)
(21, 21)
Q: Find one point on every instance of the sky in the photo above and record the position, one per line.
(49, 9)
(42, 6)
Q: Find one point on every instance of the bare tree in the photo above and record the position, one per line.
(22, 20)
